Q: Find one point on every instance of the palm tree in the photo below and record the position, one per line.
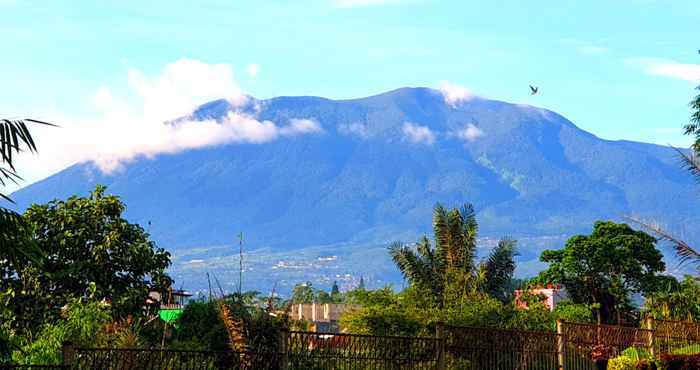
(15, 138)
(452, 261)
(691, 161)
(499, 269)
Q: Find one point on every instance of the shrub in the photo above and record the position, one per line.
(622, 363)
(680, 362)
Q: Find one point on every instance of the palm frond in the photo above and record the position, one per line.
(412, 266)
(683, 250)
(499, 268)
(690, 162)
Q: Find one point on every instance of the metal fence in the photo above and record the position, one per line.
(453, 348)
(481, 348)
(32, 367)
(128, 359)
(316, 351)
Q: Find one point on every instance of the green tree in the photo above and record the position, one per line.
(15, 138)
(303, 293)
(693, 127)
(684, 250)
(85, 240)
(605, 267)
(675, 301)
(449, 270)
(335, 292)
(499, 270)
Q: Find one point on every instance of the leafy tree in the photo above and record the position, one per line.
(200, 327)
(693, 127)
(361, 286)
(675, 301)
(335, 293)
(303, 293)
(85, 241)
(605, 267)
(573, 312)
(82, 323)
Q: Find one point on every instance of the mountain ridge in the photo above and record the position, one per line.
(364, 179)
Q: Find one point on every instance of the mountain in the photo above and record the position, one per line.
(375, 172)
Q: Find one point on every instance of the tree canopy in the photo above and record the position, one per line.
(605, 267)
(86, 241)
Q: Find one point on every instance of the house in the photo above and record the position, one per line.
(551, 295)
(323, 317)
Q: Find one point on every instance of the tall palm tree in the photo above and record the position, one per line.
(452, 260)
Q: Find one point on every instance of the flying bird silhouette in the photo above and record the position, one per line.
(534, 90)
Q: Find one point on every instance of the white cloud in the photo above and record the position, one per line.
(364, 3)
(669, 68)
(418, 134)
(122, 132)
(455, 94)
(470, 132)
(301, 127)
(355, 128)
(253, 70)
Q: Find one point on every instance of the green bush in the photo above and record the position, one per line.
(622, 363)
(82, 325)
(680, 362)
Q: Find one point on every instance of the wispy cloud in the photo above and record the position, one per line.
(122, 132)
(668, 68)
(455, 94)
(354, 129)
(470, 133)
(418, 134)
(253, 70)
(364, 3)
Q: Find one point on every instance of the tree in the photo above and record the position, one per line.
(675, 301)
(605, 267)
(335, 293)
(303, 293)
(15, 138)
(449, 268)
(693, 127)
(85, 240)
(691, 161)
(499, 270)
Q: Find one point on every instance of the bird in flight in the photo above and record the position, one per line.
(534, 90)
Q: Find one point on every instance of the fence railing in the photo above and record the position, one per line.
(307, 350)
(156, 359)
(482, 348)
(453, 347)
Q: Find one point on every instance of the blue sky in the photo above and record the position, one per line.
(621, 69)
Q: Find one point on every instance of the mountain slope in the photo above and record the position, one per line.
(528, 171)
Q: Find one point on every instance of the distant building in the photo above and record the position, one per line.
(323, 317)
(551, 296)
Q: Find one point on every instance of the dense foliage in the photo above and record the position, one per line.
(84, 240)
(675, 301)
(606, 267)
(449, 271)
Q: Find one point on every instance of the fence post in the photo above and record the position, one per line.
(652, 335)
(283, 350)
(68, 352)
(560, 345)
(440, 335)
